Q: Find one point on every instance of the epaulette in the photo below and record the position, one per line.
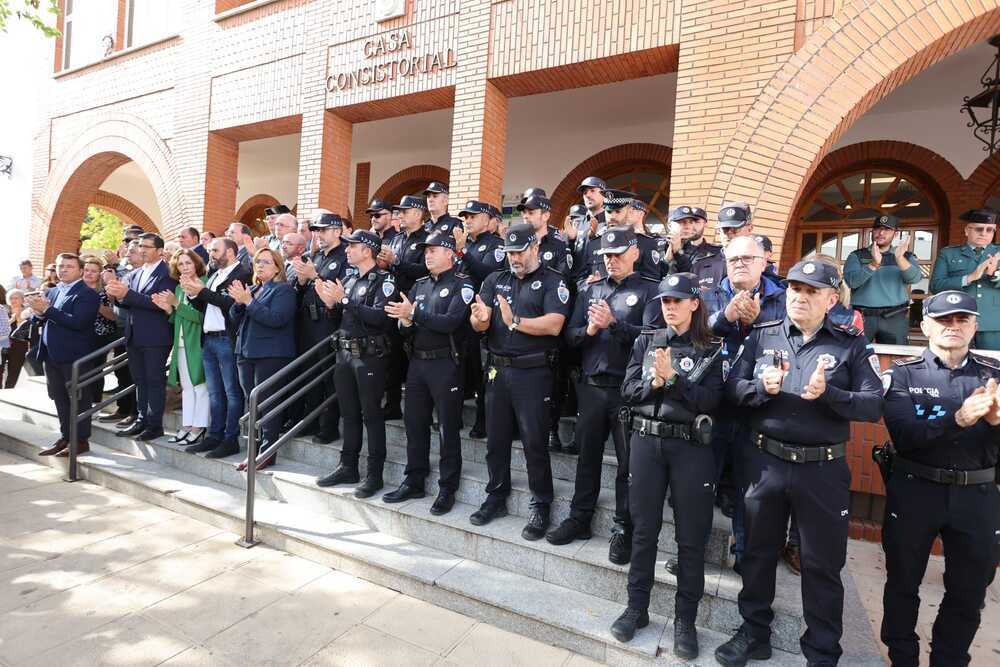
(989, 362)
(556, 271)
(421, 279)
(770, 323)
(906, 361)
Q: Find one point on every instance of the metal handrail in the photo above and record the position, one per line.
(78, 382)
(298, 387)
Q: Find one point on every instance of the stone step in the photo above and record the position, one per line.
(512, 600)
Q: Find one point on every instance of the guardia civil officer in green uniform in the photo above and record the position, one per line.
(879, 277)
(972, 268)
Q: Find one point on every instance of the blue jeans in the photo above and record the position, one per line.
(225, 397)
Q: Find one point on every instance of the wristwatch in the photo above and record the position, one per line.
(515, 323)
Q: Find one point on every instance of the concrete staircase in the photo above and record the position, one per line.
(567, 595)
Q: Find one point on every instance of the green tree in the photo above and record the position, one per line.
(32, 11)
(100, 230)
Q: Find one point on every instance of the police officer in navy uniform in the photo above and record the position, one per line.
(437, 207)
(379, 213)
(735, 219)
(674, 381)
(434, 318)
(625, 208)
(523, 310)
(586, 260)
(587, 221)
(607, 317)
(361, 359)
(942, 410)
(686, 237)
(806, 379)
(316, 321)
(482, 254)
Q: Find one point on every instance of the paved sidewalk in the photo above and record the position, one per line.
(91, 576)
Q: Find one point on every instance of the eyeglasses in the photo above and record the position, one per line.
(378, 215)
(742, 259)
(263, 262)
(982, 229)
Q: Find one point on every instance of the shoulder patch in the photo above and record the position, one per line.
(906, 361)
(771, 323)
(388, 288)
(989, 362)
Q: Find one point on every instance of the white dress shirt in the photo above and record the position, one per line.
(214, 319)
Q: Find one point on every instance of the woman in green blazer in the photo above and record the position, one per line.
(186, 368)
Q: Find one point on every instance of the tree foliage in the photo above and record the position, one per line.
(32, 11)
(100, 230)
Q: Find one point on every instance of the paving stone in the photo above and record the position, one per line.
(365, 647)
(417, 622)
(132, 640)
(486, 646)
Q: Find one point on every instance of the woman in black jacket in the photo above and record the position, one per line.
(672, 382)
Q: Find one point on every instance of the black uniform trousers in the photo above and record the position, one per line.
(329, 419)
(968, 520)
(598, 418)
(57, 374)
(253, 372)
(395, 371)
(819, 494)
(689, 471)
(149, 372)
(360, 383)
(521, 395)
(433, 384)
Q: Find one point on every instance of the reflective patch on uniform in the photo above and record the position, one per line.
(498, 254)
(536, 285)
(443, 293)
(333, 267)
(631, 300)
(656, 256)
(569, 261)
(886, 381)
(563, 292)
(481, 248)
(686, 364)
(413, 246)
(362, 290)
(388, 288)
(726, 367)
(873, 362)
(739, 353)
(828, 360)
(467, 295)
(547, 255)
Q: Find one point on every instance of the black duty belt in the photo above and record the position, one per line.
(661, 429)
(534, 360)
(358, 347)
(943, 475)
(798, 453)
(603, 380)
(427, 355)
(884, 311)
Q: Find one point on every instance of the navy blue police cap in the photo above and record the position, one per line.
(686, 211)
(325, 221)
(442, 239)
(949, 303)
(617, 240)
(592, 182)
(815, 273)
(679, 286)
(378, 205)
(365, 237)
(734, 215)
(519, 237)
(436, 187)
(411, 201)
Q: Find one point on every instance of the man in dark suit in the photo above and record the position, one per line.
(218, 345)
(148, 335)
(241, 235)
(68, 334)
(190, 239)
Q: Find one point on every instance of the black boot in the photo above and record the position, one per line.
(624, 627)
(555, 444)
(741, 648)
(685, 639)
(478, 430)
(372, 483)
(620, 549)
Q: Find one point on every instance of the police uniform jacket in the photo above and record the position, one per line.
(691, 253)
(446, 223)
(540, 292)
(957, 261)
(440, 311)
(483, 255)
(710, 269)
(266, 326)
(364, 304)
(608, 351)
(330, 265)
(387, 235)
(883, 287)
(587, 261)
(652, 256)
(684, 400)
(853, 385)
(920, 407)
(409, 257)
(772, 307)
(554, 253)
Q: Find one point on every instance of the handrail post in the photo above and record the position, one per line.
(248, 541)
(74, 424)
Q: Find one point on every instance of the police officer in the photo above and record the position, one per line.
(585, 248)
(674, 380)
(482, 254)
(273, 237)
(972, 268)
(522, 309)
(437, 207)
(434, 317)
(553, 252)
(686, 238)
(880, 277)
(607, 318)
(362, 347)
(806, 380)
(770, 270)
(625, 208)
(379, 213)
(942, 410)
(588, 221)
(734, 220)
(316, 320)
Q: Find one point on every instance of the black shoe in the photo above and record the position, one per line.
(326, 438)
(726, 505)
(555, 444)
(179, 438)
(572, 449)
(369, 487)
(150, 434)
(569, 530)
(394, 412)
(206, 445)
(477, 431)
(224, 449)
(113, 417)
(741, 648)
(126, 422)
(488, 511)
(624, 627)
(342, 475)
(685, 639)
(136, 428)
(406, 491)
(443, 503)
(538, 523)
(671, 566)
(620, 549)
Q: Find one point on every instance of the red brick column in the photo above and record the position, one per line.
(362, 183)
(334, 168)
(222, 162)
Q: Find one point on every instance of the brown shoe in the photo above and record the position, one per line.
(82, 447)
(114, 417)
(58, 446)
(793, 559)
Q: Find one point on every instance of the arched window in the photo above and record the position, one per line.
(837, 217)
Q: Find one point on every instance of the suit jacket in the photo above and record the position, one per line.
(244, 257)
(201, 252)
(68, 331)
(266, 327)
(219, 296)
(145, 324)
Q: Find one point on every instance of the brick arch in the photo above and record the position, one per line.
(253, 210)
(128, 212)
(607, 163)
(930, 171)
(76, 177)
(984, 181)
(822, 89)
(407, 181)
